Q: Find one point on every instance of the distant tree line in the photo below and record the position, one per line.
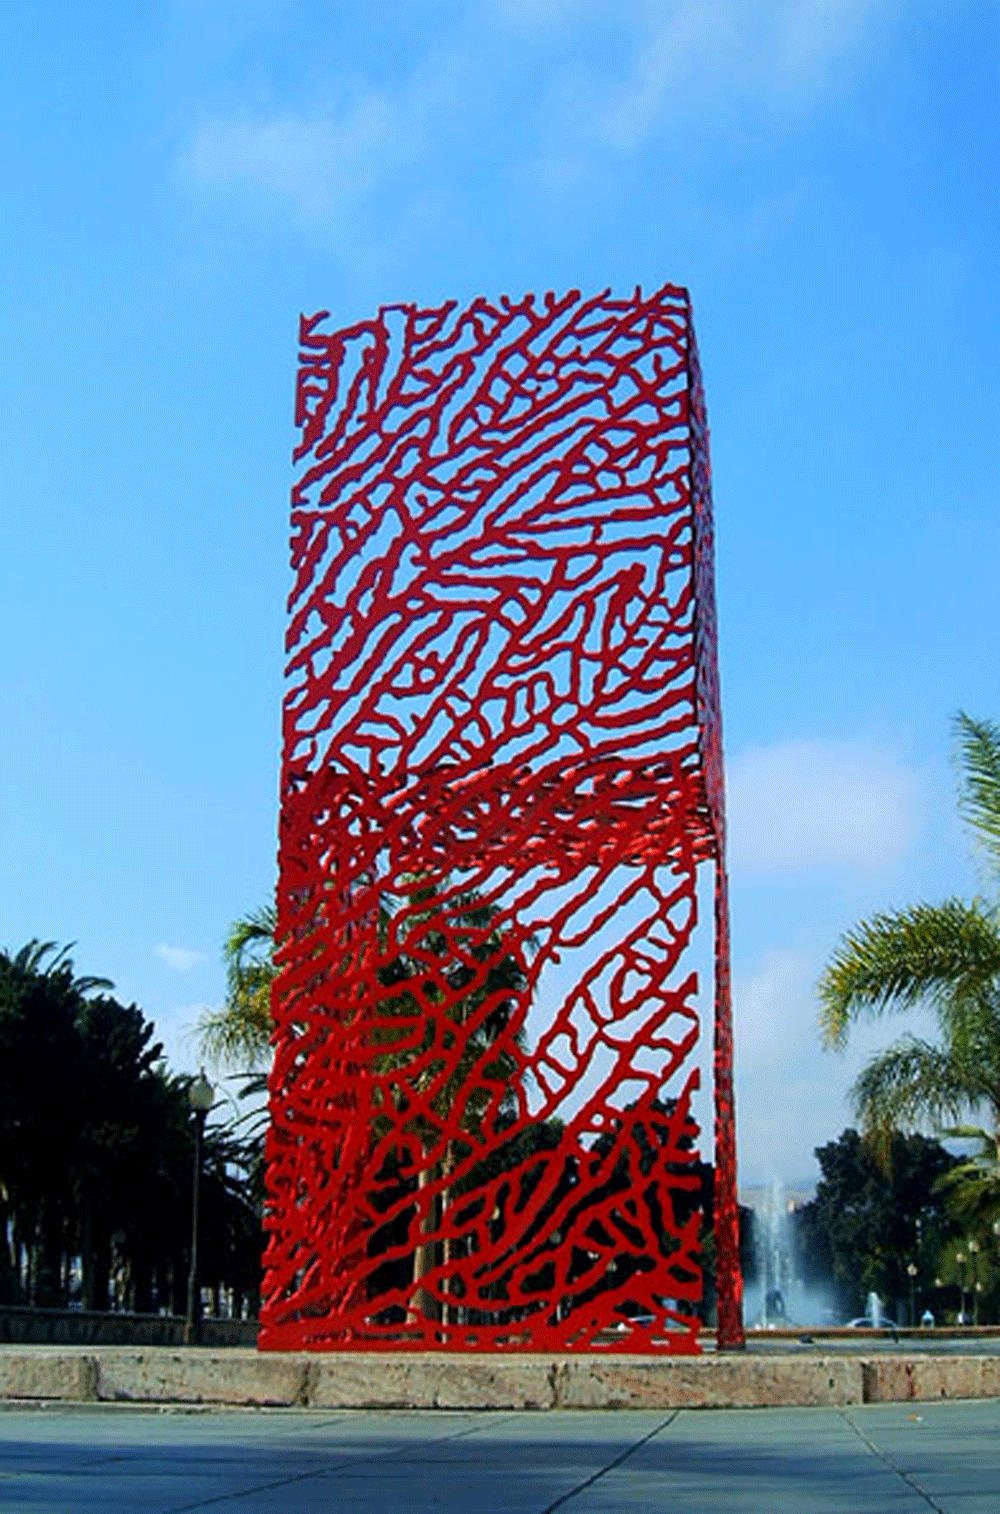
(96, 1155)
(886, 1218)
(874, 1215)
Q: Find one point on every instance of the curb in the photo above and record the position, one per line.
(363, 1380)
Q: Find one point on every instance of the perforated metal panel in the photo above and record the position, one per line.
(502, 771)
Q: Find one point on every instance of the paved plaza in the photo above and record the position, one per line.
(892, 1458)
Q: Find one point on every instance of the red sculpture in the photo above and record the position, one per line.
(502, 769)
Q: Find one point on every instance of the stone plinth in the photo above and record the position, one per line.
(165, 1375)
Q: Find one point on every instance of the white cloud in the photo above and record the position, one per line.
(315, 164)
(730, 53)
(791, 1094)
(811, 803)
(180, 959)
(774, 1005)
(663, 62)
(580, 75)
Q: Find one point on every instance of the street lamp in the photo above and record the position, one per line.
(201, 1096)
(911, 1272)
(977, 1287)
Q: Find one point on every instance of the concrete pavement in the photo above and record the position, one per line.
(902, 1459)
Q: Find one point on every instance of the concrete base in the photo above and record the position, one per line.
(357, 1380)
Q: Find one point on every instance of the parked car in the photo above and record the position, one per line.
(866, 1323)
(643, 1320)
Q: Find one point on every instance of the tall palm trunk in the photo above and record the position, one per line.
(423, 1304)
(10, 1287)
(450, 1242)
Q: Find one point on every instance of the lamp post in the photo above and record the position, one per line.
(911, 1272)
(201, 1096)
(976, 1285)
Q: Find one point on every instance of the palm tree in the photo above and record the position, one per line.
(43, 1001)
(484, 976)
(238, 1035)
(946, 957)
(30, 962)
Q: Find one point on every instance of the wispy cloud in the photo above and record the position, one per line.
(574, 83)
(180, 959)
(811, 803)
(705, 54)
(791, 1095)
(765, 999)
(311, 163)
(778, 1049)
(628, 72)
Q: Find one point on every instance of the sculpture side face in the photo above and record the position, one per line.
(501, 771)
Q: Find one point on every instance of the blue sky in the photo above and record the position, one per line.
(181, 178)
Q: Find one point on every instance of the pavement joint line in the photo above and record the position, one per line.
(319, 1473)
(260, 1487)
(283, 1482)
(617, 1462)
(884, 1457)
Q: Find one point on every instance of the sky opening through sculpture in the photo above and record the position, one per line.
(501, 774)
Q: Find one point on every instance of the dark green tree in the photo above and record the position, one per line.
(871, 1218)
(96, 1150)
(43, 1098)
(118, 1126)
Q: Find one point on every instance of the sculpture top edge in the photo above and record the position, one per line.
(309, 322)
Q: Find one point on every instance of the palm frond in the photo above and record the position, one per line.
(969, 1021)
(237, 1036)
(249, 946)
(30, 961)
(978, 750)
(971, 1189)
(987, 1142)
(236, 1040)
(911, 1083)
(927, 953)
(33, 953)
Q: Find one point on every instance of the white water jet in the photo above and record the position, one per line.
(779, 1297)
(775, 1259)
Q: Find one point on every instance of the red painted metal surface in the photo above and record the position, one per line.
(502, 770)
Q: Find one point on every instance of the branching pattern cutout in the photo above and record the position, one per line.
(501, 771)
